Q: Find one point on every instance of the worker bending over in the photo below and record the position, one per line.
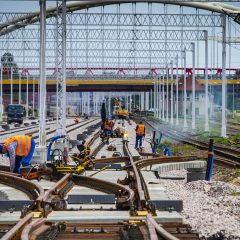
(108, 126)
(140, 133)
(20, 150)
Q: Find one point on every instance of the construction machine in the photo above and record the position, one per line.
(119, 110)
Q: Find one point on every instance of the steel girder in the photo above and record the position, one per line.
(113, 34)
(61, 65)
(112, 19)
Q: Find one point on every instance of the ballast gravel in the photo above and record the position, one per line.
(210, 208)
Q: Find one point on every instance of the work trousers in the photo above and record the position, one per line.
(109, 132)
(138, 140)
(18, 160)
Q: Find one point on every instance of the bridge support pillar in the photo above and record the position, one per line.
(142, 101)
(147, 101)
(177, 121)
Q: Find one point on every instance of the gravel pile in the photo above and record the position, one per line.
(210, 208)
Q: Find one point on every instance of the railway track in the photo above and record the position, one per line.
(132, 196)
(227, 156)
(34, 191)
(34, 132)
(143, 197)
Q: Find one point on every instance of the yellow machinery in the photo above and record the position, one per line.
(60, 158)
(122, 113)
(119, 111)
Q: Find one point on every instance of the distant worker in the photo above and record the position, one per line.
(166, 151)
(20, 150)
(140, 133)
(108, 126)
(77, 120)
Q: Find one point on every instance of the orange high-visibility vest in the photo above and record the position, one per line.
(108, 125)
(140, 129)
(23, 144)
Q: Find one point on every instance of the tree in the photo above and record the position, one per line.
(7, 61)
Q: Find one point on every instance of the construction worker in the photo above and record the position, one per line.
(20, 150)
(140, 133)
(108, 126)
(77, 120)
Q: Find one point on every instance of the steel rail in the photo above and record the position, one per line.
(161, 231)
(15, 232)
(5, 168)
(31, 227)
(33, 190)
(57, 187)
(97, 149)
(20, 129)
(111, 160)
(93, 139)
(105, 186)
(32, 133)
(35, 132)
(169, 159)
(218, 150)
(73, 129)
(138, 180)
(219, 160)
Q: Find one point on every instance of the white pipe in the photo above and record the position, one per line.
(171, 92)
(1, 93)
(185, 92)
(11, 94)
(154, 99)
(27, 96)
(167, 92)
(42, 111)
(64, 47)
(206, 127)
(193, 89)
(159, 98)
(33, 109)
(19, 89)
(163, 98)
(223, 130)
(177, 120)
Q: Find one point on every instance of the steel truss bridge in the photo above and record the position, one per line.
(160, 38)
